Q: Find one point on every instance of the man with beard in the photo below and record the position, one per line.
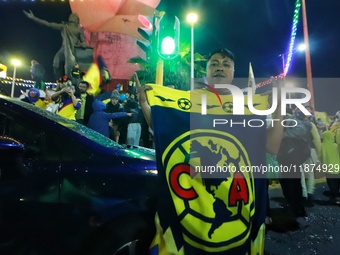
(83, 114)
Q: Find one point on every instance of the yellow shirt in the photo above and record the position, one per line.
(80, 113)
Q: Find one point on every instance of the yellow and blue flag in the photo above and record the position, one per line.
(96, 75)
(210, 199)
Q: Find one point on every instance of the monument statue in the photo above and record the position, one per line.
(72, 37)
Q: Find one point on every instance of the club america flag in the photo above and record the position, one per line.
(212, 197)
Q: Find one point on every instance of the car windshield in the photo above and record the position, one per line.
(73, 125)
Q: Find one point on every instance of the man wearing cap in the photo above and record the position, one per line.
(76, 74)
(111, 107)
(33, 97)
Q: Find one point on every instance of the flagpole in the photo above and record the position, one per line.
(284, 75)
(307, 54)
(251, 79)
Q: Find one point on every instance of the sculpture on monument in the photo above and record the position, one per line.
(73, 40)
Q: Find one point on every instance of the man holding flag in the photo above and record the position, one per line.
(207, 205)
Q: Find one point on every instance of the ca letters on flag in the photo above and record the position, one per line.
(209, 201)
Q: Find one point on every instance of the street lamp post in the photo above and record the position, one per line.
(15, 63)
(192, 18)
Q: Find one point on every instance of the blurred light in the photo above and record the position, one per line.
(192, 18)
(16, 62)
(301, 47)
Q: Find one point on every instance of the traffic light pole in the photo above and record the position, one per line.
(159, 71)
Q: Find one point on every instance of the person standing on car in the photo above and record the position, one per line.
(37, 74)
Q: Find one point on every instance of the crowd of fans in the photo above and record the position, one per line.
(118, 117)
(320, 143)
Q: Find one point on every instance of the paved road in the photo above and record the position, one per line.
(322, 236)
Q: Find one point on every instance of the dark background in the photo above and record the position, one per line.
(257, 31)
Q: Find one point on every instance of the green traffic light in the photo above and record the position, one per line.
(168, 45)
(168, 37)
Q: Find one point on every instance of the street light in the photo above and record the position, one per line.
(285, 62)
(192, 18)
(15, 63)
(301, 47)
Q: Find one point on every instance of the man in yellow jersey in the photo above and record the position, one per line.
(210, 202)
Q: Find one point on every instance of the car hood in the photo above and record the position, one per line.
(138, 158)
(135, 157)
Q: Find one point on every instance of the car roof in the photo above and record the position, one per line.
(18, 105)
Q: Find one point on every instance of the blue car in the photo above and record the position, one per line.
(66, 189)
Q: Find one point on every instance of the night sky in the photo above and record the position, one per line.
(257, 31)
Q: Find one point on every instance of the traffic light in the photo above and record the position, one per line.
(168, 37)
(147, 32)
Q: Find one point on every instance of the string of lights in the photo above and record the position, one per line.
(24, 83)
(291, 46)
(293, 35)
(269, 81)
